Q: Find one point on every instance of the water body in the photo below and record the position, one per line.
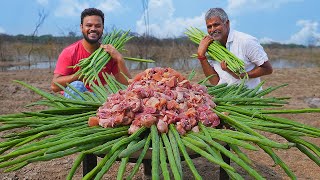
(180, 64)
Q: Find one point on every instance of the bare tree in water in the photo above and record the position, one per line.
(147, 33)
(41, 17)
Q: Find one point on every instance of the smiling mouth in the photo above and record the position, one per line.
(93, 35)
(214, 33)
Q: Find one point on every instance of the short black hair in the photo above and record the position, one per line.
(92, 12)
(217, 12)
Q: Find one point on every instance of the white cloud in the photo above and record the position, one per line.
(308, 34)
(109, 5)
(266, 40)
(2, 30)
(70, 8)
(162, 23)
(43, 2)
(75, 7)
(240, 6)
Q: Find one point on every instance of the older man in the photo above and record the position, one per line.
(244, 46)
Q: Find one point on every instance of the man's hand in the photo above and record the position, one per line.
(63, 80)
(225, 68)
(118, 58)
(204, 44)
(114, 53)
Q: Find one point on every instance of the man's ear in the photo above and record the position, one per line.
(228, 24)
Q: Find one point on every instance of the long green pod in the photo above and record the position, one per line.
(59, 154)
(175, 151)
(10, 126)
(155, 160)
(309, 154)
(233, 157)
(163, 162)
(87, 139)
(269, 90)
(78, 118)
(100, 93)
(79, 102)
(207, 155)
(37, 136)
(205, 131)
(69, 110)
(3, 150)
(124, 161)
(103, 165)
(22, 151)
(172, 162)
(247, 129)
(234, 141)
(240, 154)
(75, 166)
(184, 152)
(307, 144)
(129, 139)
(288, 132)
(22, 159)
(133, 148)
(278, 161)
(215, 154)
(290, 111)
(141, 156)
(270, 118)
(16, 167)
(12, 142)
(139, 59)
(193, 141)
(51, 139)
(256, 139)
(79, 95)
(103, 148)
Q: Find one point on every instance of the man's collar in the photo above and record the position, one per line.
(230, 36)
(230, 39)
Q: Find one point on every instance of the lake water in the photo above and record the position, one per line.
(180, 64)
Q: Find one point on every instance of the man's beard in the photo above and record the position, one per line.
(91, 41)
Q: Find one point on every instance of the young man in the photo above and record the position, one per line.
(242, 45)
(92, 25)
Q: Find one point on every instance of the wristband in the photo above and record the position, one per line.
(202, 58)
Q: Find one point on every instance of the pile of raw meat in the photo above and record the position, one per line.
(159, 96)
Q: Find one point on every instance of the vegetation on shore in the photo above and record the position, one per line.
(48, 47)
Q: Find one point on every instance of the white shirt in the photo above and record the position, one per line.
(248, 49)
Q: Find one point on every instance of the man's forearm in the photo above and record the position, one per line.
(62, 80)
(264, 69)
(123, 73)
(208, 70)
(123, 68)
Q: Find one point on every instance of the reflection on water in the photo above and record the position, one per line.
(38, 65)
(284, 63)
(179, 64)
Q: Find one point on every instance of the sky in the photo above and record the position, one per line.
(282, 21)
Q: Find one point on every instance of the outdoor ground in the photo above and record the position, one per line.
(303, 88)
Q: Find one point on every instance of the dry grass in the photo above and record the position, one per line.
(303, 54)
(158, 50)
